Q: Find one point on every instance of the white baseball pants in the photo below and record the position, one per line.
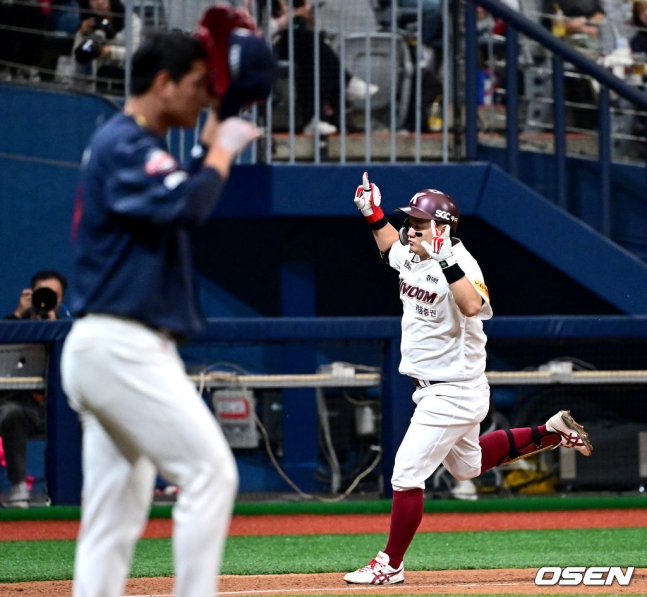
(141, 415)
(444, 429)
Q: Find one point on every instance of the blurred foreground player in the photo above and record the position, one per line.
(133, 293)
(444, 300)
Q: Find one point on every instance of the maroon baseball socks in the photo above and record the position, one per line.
(497, 448)
(406, 515)
(505, 445)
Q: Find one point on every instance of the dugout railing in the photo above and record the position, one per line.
(561, 55)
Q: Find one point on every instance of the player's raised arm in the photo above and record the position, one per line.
(368, 199)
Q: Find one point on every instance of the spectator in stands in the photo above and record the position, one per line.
(61, 24)
(407, 19)
(64, 16)
(579, 23)
(100, 43)
(22, 412)
(281, 18)
(616, 26)
(304, 59)
(21, 39)
(432, 20)
(639, 20)
(580, 18)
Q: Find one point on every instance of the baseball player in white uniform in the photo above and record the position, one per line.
(444, 301)
(134, 297)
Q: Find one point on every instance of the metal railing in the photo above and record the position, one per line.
(366, 131)
(380, 51)
(379, 39)
(562, 53)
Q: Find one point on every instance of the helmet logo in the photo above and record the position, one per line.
(444, 215)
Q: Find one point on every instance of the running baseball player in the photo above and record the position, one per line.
(133, 294)
(444, 301)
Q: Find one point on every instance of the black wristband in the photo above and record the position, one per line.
(379, 224)
(453, 273)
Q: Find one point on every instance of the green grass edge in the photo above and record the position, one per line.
(382, 506)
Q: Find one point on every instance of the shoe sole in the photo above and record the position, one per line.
(350, 582)
(15, 505)
(577, 428)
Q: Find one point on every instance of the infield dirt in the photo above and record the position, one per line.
(463, 582)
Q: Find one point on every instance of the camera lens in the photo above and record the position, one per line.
(43, 300)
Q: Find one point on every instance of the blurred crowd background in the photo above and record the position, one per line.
(355, 65)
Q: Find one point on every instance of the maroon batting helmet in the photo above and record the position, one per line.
(430, 204)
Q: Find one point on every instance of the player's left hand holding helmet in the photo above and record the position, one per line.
(440, 247)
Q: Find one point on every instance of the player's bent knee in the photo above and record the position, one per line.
(466, 476)
(224, 473)
(220, 474)
(406, 486)
(465, 473)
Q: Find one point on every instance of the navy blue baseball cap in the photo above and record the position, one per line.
(252, 70)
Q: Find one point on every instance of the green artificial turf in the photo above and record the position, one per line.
(52, 560)
(382, 506)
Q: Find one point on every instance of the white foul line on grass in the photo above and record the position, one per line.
(368, 587)
(351, 588)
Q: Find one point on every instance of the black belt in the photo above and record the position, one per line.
(424, 383)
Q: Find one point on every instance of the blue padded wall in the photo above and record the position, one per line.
(286, 213)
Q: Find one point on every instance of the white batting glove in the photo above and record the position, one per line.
(440, 247)
(368, 199)
(235, 134)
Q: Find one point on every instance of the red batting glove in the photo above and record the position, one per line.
(440, 247)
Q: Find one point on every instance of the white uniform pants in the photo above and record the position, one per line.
(140, 415)
(443, 430)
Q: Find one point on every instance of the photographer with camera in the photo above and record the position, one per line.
(22, 412)
(99, 46)
(43, 298)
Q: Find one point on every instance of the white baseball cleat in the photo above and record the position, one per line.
(464, 490)
(377, 572)
(18, 497)
(571, 432)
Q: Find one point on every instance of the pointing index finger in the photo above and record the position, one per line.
(365, 183)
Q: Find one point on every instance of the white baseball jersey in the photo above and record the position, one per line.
(439, 343)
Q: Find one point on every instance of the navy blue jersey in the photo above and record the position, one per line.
(135, 210)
